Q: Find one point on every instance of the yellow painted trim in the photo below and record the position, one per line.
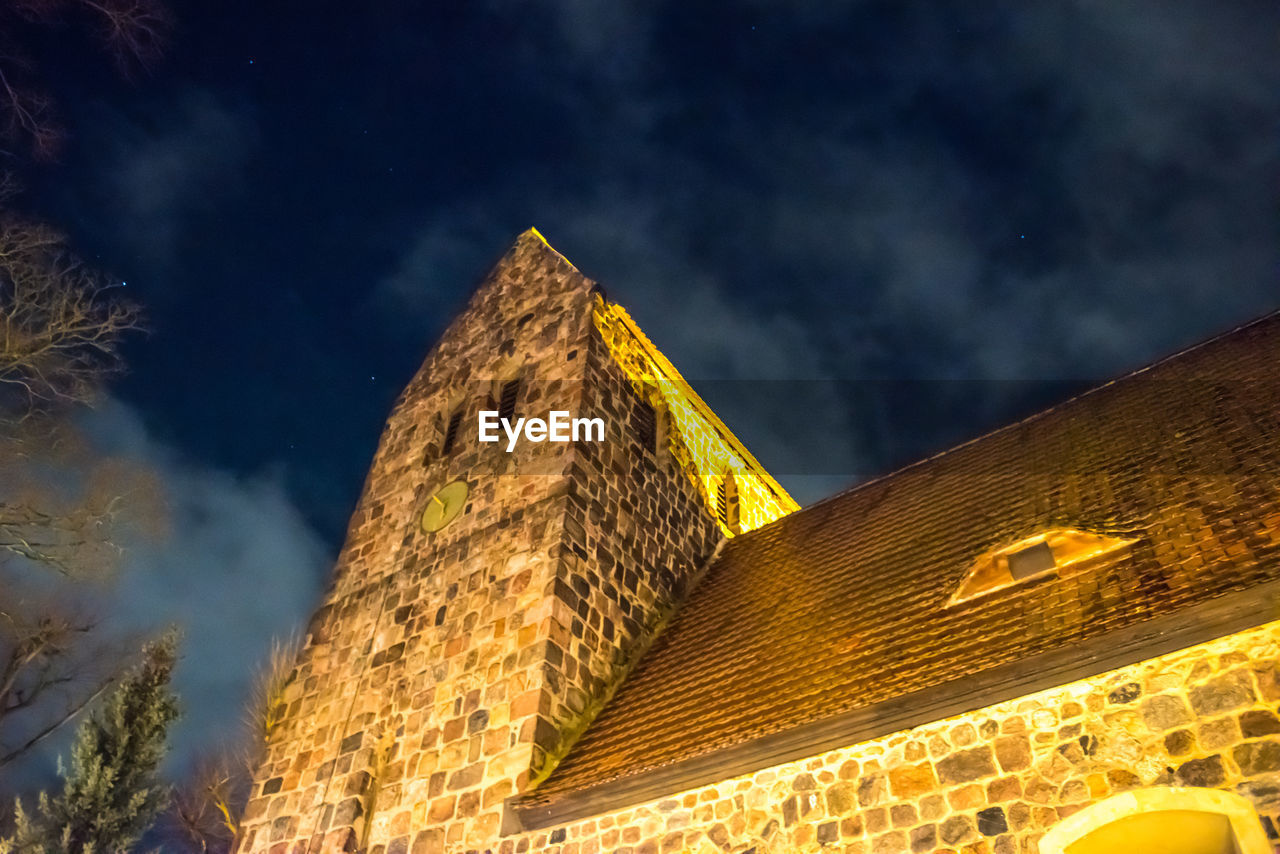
(702, 445)
(1246, 827)
(752, 464)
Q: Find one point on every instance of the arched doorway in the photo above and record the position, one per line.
(1161, 820)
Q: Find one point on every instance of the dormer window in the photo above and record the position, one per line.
(1064, 551)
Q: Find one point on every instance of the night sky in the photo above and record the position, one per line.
(865, 231)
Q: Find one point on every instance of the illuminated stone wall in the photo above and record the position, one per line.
(988, 782)
(447, 671)
(699, 442)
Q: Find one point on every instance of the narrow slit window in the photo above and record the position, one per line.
(451, 433)
(646, 424)
(727, 502)
(507, 400)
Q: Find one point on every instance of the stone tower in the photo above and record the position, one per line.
(486, 603)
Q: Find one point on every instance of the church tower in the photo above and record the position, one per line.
(491, 595)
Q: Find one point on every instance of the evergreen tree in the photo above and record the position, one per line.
(112, 793)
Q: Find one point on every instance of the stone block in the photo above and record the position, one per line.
(1120, 779)
(1125, 693)
(828, 832)
(957, 830)
(871, 790)
(441, 809)
(841, 799)
(1259, 722)
(893, 842)
(1018, 815)
(471, 775)
(903, 815)
(991, 821)
(1004, 789)
(1013, 752)
(1224, 693)
(911, 781)
(966, 797)
(933, 807)
(1207, 772)
(1257, 757)
(966, 765)
(803, 783)
(1180, 742)
(1165, 711)
(1218, 733)
(924, 838)
(1268, 677)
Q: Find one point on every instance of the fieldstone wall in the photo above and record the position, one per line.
(699, 442)
(446, 671)
(989, 782)
(636, 534)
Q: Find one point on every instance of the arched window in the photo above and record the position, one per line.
(1169, 820)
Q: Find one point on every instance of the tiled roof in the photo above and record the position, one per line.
(836, 616)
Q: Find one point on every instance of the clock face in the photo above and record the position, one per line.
(444, 505)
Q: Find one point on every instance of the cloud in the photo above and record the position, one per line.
(757, 371)
(238, 567)
(973, 207)
(235, 566)
(163, 173)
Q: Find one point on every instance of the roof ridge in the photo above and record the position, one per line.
(1271, 315)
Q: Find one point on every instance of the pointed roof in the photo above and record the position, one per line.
(836, 624)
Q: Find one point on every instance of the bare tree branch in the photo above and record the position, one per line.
(37, 660)
(59, 328)
(132, 32)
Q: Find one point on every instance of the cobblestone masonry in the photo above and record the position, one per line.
(988, 782)
(445, 672)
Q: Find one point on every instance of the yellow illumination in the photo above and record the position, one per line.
(1162, 820)
(699, 441)
(1073, 551)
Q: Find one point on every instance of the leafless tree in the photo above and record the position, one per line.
(59, 339)
(133, 32)
(42, 679)
(59, 329)
(61, 324)
(205, 814)
(205, 807)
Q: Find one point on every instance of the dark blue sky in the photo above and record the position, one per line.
(866, 231)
